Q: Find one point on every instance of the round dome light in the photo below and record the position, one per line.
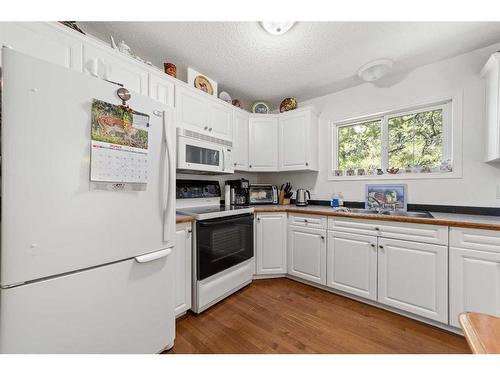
(375, 70)
(277, 27)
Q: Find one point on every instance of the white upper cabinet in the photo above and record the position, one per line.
(298, 140)
(270, 233)
(101, 62)
(474, 272)
(191, 110)
(161, 88)
(199, 112)
(263, 130)
(240, 140)
(352, 264)
(413, 277)
(490, 73)
(43, 40)
(220, 119)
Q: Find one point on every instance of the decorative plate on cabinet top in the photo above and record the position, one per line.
(288, 104)
(260, 107)
(236, 103)
(225, 96)
(203, 84)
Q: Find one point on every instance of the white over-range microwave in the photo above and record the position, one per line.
(200, 153)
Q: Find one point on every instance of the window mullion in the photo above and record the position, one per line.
(385, 143)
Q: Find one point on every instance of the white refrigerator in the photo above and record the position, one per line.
(82, 270)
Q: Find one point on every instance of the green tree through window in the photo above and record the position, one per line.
(359, 146)
(416, 139)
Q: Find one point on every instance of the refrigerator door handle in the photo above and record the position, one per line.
(153, 256)
(167, 182)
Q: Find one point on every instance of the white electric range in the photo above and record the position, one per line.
(223, 242)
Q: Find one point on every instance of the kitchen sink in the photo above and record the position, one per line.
(363, 211)
(420, 214)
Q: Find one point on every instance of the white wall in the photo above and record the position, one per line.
(478, 184)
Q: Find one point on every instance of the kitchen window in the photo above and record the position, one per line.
(414, 142)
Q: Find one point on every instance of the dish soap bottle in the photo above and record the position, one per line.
(337, 200)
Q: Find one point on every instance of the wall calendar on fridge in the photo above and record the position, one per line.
(119, 144)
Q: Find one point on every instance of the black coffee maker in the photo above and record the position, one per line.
(240, 190)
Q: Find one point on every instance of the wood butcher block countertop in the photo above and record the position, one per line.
(482, 332)
(447, 219)
(183, 219)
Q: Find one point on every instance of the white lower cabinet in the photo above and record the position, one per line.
(474, 272)
(474, 283)
(182, 267)
(413, 277)
(352, 264)
(270, 243)
(307, 253)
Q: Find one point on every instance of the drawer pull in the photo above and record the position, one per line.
(372, 245)
(377, 229)
(380, 246)
(305, 220)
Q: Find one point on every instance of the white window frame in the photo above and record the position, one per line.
(452, 141)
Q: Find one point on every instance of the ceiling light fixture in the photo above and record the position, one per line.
(375, 70)
(277, 27)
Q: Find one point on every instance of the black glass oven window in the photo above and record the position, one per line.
(223, 243)
(199, 155)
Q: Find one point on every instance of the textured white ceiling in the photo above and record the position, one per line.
(312, 59)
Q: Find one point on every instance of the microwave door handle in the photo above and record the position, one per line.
(167, 182)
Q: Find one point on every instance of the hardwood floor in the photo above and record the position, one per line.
(284, 316)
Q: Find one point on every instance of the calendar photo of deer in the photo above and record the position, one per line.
(114, 124)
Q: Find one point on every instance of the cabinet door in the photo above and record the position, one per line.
(161, 89)
(240, 140)
(263, 144)
(307, 254)
(474, 282)
(43, 41)
(182, 261)
(220, 120)
(294, 141)
(413, 277)
(191, 109)
(352, 264)
(106, 64)
(271, 243)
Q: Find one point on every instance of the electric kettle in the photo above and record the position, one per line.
(301, 197)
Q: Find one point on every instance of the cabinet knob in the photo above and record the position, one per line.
(205, 128)
(307, 164)
(250, 166)
(209, 129)
(372, 245)
(305, 220)
(235, 164)
(322, 237)
(380, 246)
(258, 219)
(377, 229)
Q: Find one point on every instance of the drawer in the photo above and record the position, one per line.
(434, 234)
(309, 221)
(475, 239)
(356, 226)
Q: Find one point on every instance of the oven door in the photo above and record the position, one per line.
(223, 243)
(196, 155)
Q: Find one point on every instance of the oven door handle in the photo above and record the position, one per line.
(225, 220)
